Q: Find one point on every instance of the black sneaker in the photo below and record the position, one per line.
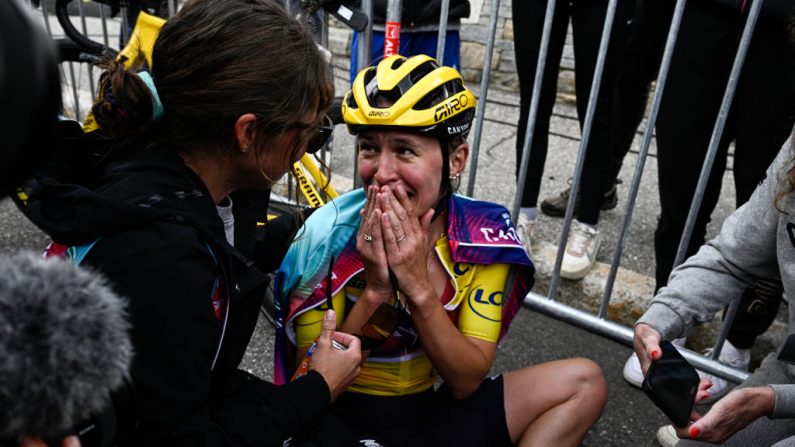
(555, 206)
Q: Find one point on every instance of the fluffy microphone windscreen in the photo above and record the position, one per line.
(64, 344)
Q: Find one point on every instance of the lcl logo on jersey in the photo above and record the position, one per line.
(495, 298)
(459, 268)
(448, 109)
(478, 295)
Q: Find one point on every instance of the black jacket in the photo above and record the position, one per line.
(161, 244)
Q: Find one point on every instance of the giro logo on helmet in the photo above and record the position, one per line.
(449, 109)
(378, 114)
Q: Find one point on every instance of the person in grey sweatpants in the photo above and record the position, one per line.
(756, 241)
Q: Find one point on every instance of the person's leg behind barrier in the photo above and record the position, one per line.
(587, 23)
(528, 24)
(642, 59)
(691, 100)
(528, 21)
(678, 174)
(586, 41)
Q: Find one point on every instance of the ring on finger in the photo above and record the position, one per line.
(401, 238)
(367, 237)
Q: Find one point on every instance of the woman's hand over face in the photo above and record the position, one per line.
(406, 240)
(370, 244)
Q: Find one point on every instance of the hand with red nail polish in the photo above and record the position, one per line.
(730, 415)
(647, 345)
(703, 389)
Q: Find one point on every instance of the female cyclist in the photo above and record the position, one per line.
(450, 271)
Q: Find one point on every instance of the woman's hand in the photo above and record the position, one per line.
(730, 415)
(703, 390)
(370, 245)
(406, 240)
(337, 366)
(647, 345)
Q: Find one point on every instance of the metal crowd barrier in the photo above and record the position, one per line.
(598, 323)
(79, 79)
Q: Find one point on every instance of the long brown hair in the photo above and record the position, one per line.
(213, 62)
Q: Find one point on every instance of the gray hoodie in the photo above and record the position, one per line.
(756, 241)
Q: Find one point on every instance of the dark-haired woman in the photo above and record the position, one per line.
(165, 202)
(439, 264)
(756, 241)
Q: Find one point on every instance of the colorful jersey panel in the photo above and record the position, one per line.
(477, 302)
(479, 234)
(399, 366)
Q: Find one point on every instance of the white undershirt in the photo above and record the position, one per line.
(225, 213)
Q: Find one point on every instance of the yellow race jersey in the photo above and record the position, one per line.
(472, 298)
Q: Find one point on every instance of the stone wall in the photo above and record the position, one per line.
(474, 35)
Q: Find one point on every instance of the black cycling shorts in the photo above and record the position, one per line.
(429, 418)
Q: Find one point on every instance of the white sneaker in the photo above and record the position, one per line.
(632, 371)
(581, 249)
(731, 356)
(666, 436)
(526, 229)
(633, 374)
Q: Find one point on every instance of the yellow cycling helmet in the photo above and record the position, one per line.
(411, 94)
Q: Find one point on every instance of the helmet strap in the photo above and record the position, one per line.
(445, 186)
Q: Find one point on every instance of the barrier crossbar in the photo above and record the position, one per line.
(598, 324)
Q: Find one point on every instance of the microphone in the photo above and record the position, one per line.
(64, 346)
